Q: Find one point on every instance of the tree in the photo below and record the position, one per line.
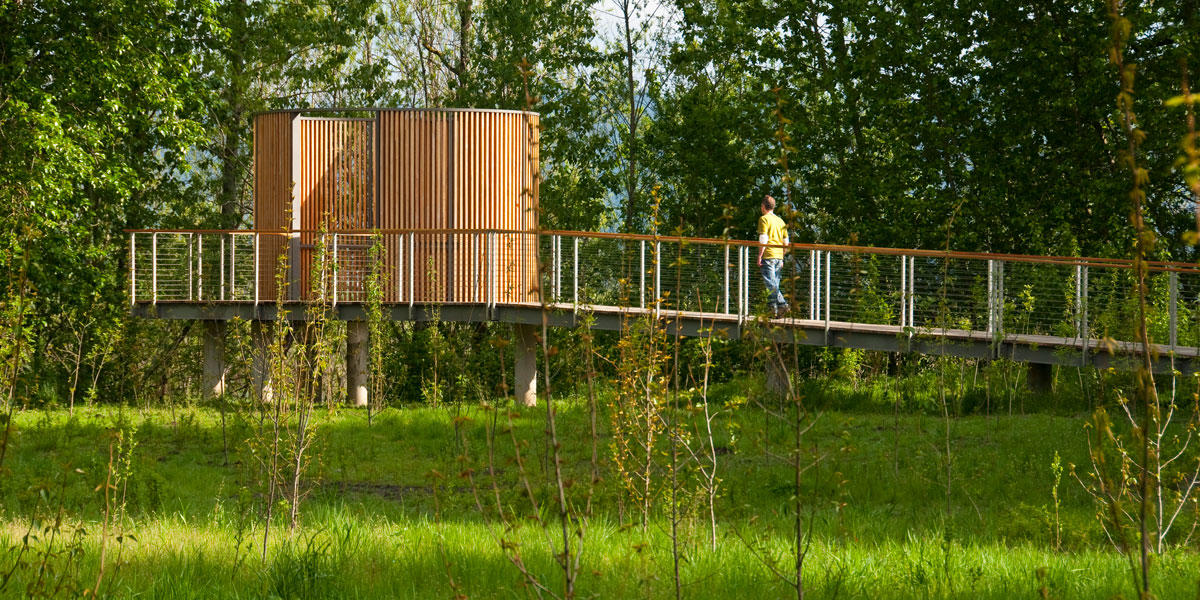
(262, 55)
(96, 99)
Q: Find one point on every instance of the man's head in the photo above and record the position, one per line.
(768, 204)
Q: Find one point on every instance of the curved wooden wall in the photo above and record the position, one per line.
(406, 169)
(272, 193)
(335, 191)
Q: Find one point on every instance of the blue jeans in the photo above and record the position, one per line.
(772, 271)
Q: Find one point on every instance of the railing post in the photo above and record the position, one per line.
(746, 280)
(1084, 333)
(132, 269)
(912, 292)
(255, 277)
(1000, 297)
(191, 260)
(1173, 277)
(411, 259)
(726, 269)
(221, 275)
(828, 295)
(996, 298)
(657, 275)
(813, 285)
(642, 275)
(154, 267)
(740, 299)
(911, 319)
(200, 268)
(476, 259)
(1078, 301)
(232, 267)
(575, 275)
(991, 299)
(555, 267)
(399, 268)
(818, 287)
(904, 291)
(491, 274)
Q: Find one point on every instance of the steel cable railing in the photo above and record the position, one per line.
(912, 291)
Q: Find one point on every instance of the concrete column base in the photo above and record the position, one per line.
(357, 348)
(778, 380)
(525, 376)
(1040, 378)
(212, 380)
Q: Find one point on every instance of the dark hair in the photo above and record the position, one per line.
(768, 202)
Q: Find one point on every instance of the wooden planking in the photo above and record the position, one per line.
(414, 192)
(427, 169)
(272, 194)
(335, 191)
(493, 168)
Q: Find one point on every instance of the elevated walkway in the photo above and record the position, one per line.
(1044, 310)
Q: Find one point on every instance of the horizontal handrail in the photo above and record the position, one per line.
(1122, 263)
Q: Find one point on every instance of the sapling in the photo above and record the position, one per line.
(114, 489)
(1130, 493)
(710, 482)
(1056, 469)
(319, 343)
(375, 283)
(672, 426)
(266, 444)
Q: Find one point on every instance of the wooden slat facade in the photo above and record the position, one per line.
(335, 191)
(272, 194)
(405, 169)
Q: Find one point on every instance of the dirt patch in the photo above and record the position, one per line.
(389, 491)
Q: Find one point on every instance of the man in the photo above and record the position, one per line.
(772, 231)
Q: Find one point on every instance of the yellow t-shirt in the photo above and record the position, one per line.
(776, 231)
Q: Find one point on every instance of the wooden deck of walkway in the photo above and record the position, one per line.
(1041, 349)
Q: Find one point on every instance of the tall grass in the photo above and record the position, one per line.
(369, 529)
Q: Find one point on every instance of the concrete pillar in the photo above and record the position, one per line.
(1040, 378)
(525, 378)
(357, 340)
(213, 380)
(262, 335)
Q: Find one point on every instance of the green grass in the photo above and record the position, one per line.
(881, 526)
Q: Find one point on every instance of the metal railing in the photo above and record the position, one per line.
(1084, 299)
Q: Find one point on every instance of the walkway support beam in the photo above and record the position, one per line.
(262, 335)
(525, 376)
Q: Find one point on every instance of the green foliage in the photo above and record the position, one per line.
(99, 111)
(367, 529)
(135, 114)
(994, 117)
